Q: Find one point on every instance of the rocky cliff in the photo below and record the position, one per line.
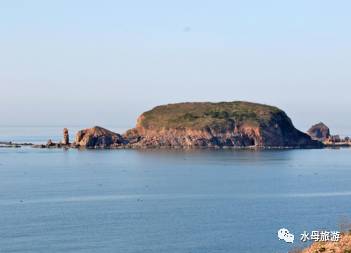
(225, 124)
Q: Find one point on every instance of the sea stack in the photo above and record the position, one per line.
(65, 137)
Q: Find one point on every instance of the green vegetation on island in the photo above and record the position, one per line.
(199, 115)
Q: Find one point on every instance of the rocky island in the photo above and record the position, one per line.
(200, 125)
(224, 124)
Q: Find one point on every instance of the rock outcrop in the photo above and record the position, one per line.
(225, 124)
(319, 132)
(65, 140)
(98, 137)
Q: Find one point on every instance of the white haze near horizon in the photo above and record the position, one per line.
(105, 62)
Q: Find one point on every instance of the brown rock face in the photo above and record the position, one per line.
(98, 137)
(242, 135)
(194, 138)
(65, 140)
(341, 246)
(319, 132)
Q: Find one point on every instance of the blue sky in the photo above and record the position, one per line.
(105, 62)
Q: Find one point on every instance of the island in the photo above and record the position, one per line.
(235, 124)
(224, 124)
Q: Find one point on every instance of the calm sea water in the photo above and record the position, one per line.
(198, 201)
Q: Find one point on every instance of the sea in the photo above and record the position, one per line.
(162, 200)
